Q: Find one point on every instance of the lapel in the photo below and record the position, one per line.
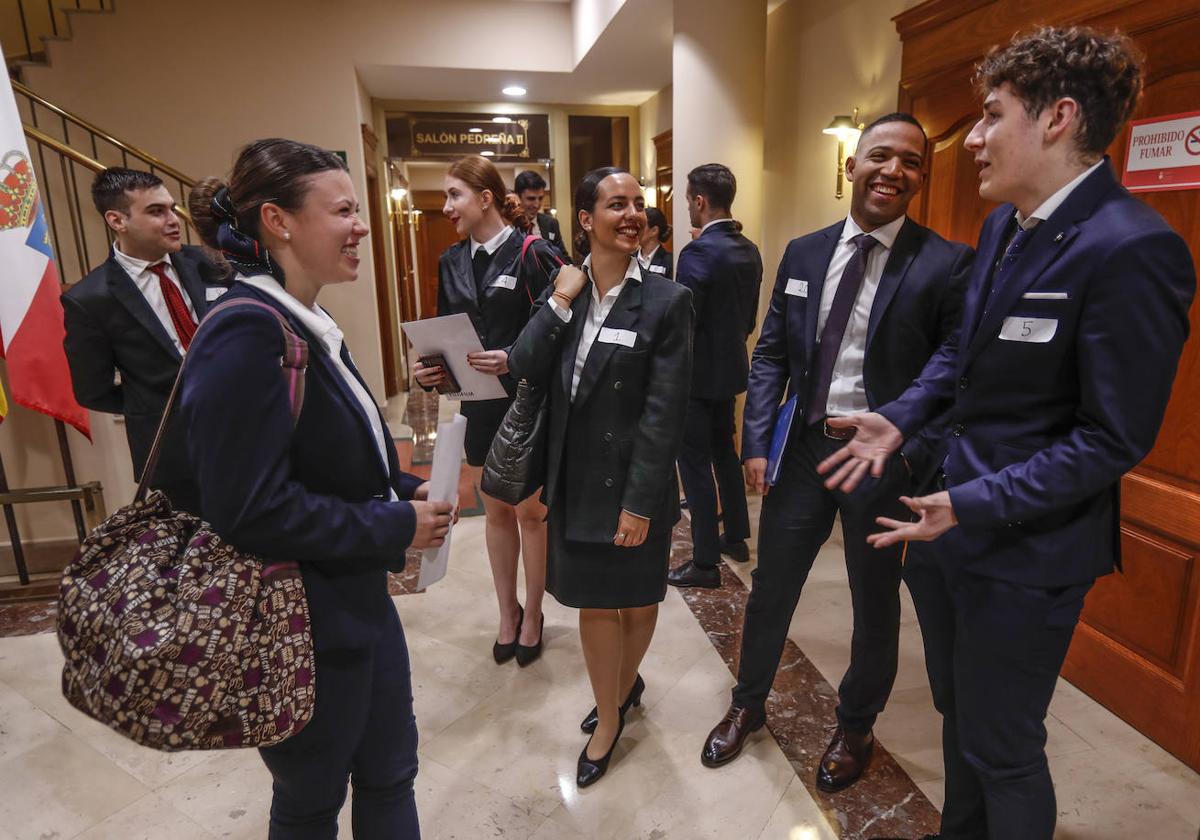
(462, 280)
(904, 250)
(365, 422)
(1051, 238)
(623, 315)
(126, 291)
(579, 314)
(814, 266)
(502, 259)
(189, 278)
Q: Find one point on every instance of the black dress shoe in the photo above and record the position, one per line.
(845, 759)
(689, 574)
(737, 551)
(924, 837)
(727, 738)
(503, 653)
(634, 699)
(526, 654)
(589, 771)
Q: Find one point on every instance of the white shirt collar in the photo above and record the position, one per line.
(633, 271)
(1047, 207)
(492, 244)
(716, 222)
(645, 261)
(132, 265)
(316, 320)
(885, 234)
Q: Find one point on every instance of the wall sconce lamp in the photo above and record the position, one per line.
(846, 130)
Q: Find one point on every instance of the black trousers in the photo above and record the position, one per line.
(362, 731)
(993, 650)
(797, 517)
(708, 448)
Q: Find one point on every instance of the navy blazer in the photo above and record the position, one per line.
(315, 493)
(111, 327)
(502, 310)
(1060, 388)
(723, 269)
(617, 441)
(917, 307)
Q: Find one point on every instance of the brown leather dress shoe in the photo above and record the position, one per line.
(727, 737)
(845, 759)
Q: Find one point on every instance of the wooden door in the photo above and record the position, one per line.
(1137, 648)
(435, 234)
(663, 173)
(389, 338)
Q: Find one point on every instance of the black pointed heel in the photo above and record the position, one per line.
(503, 653)
(634, 699)
(528, 654)
(589, 772)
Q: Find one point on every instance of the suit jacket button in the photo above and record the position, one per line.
(554, 333)
(608, 436)
(958, 430)
(963, 382)
(617, 385)
(608, 482)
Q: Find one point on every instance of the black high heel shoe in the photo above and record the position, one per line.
(503, 653)
(527, 654)
(589, 771)
(634, 699)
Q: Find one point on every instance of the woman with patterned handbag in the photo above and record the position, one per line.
(494, 275)
(324, 490)
(611, 345)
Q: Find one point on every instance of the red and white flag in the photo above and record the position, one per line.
(31, 314)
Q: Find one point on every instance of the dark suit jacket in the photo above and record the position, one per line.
(111, 328)
(917, 307)
(619, 440)
(315, 492)
(724, 270)
(500, 313)
(1060, 388)
(661, 264)
(548, 225)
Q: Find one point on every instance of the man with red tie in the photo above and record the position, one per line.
(130, 320)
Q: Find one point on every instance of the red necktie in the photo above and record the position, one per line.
(185, 327)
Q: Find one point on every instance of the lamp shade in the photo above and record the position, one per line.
(843, 127)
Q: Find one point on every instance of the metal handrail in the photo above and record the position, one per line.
(103, 135)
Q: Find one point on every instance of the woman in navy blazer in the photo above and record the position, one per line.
(613, 349)
(324, 489)
(493, 278)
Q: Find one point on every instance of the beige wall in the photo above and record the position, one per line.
(654, 116)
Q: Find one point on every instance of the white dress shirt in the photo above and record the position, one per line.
(535, 229)
(492, 244)
(847, 391)
(1053, 202)
(147, 283)
(715, 222)
(317, 321)
(644, 261)
(596, 315)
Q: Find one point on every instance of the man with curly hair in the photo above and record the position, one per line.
(1073, 323)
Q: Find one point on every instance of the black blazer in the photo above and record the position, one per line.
(619, 439)
(724, 271)
(315, 492)
(111, 328)
(548, 226)
(917, 307)
(661, 264)
(501, 312)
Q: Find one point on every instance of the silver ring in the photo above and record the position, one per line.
(621, 536)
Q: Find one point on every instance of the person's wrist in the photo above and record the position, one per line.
(562, 297)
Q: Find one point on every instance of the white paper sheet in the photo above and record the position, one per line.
(453, 336)
(443, 487)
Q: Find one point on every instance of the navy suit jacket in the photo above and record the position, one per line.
(315, 492)
(110, 327)
(1060, 388)
(724, 271)
(917, 307)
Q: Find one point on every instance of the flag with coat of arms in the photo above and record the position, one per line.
(31, 314)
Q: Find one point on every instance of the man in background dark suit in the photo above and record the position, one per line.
(530, 187)
(724, 270)
(857, 310)
(134, 315)
(1074, 320)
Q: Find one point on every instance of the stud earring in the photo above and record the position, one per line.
(287, 236)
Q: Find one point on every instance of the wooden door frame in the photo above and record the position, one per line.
(389, 338)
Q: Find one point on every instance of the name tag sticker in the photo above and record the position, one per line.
(505, 281)
(1046, 296)
(550, 236)
(658, 269)
(626, 338)
(1029, 330)
(213, 292)
(799, 288)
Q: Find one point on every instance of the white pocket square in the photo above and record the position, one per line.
(1046, 296)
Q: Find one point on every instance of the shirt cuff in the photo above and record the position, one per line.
(564, 315)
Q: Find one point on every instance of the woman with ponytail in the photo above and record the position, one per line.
(652, 257)
(494, 275)
(323, 489)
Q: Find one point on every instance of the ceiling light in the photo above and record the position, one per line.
(514, 90)
(475, 130)
(488, 153)
(501, 120)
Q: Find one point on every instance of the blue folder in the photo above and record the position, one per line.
(779, 438)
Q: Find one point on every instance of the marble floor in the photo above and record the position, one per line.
(499, 744)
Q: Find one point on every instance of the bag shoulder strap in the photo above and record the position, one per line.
(529, 240)
(293, 362)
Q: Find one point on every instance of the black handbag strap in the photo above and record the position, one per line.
(293, 362)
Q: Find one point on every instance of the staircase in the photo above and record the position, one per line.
(28, 25)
